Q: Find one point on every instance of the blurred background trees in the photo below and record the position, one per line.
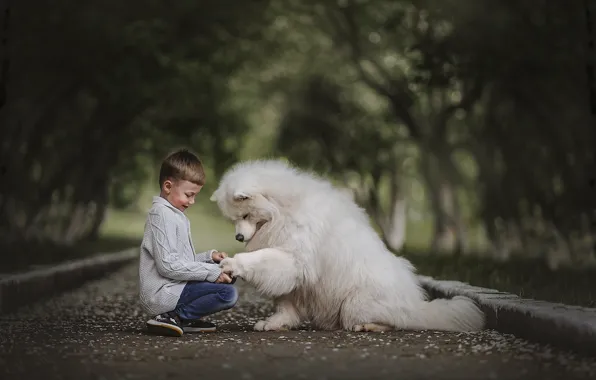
(464, 127)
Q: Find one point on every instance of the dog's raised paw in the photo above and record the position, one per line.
(229, 265)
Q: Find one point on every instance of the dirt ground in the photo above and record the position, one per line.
(98, 332)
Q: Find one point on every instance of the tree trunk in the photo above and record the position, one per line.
(101, 207)
(394, 230)
(395, 220)
(391, 222)
(461, 237)
(448, 228)
(4, 57)
(444, 234)
(591, 79)
(77, 224)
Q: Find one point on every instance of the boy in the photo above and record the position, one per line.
(176, 284)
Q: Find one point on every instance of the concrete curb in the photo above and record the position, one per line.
(24, 288)
(566, 326)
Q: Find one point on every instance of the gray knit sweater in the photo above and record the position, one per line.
(168, 259)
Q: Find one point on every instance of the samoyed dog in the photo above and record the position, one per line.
(312, 249)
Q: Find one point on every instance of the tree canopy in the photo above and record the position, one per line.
(485, 108)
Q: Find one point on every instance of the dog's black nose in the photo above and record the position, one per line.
(239, 237)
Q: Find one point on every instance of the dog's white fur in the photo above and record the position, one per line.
(319, 258)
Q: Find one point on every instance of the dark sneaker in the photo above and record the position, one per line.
(198, 326)
(165, 324)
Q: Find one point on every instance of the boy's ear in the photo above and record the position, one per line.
(167, 186)
(241, 196)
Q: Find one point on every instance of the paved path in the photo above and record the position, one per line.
(97, 332)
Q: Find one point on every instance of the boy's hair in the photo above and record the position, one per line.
(182, 165)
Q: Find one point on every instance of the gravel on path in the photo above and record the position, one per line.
(98, 332)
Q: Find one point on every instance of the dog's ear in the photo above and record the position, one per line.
(241, 196)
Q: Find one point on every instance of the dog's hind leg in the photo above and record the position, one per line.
(286, 317)
(366, 314)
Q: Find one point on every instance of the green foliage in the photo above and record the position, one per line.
(493, 95)
(99, 89)
(325, 128)
(482, 103)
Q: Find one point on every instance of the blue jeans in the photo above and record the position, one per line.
(201, 298)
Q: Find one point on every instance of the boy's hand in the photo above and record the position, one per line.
(218, 256)
(223, 279)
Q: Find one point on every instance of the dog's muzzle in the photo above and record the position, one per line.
(240, 237)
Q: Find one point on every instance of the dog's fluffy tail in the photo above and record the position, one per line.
(456, 314)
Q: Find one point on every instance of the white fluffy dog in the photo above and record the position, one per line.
(312, 249)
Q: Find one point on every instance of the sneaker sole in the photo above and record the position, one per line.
(199, 329)
(164, 328)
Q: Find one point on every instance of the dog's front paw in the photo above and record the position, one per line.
(268, 326)
(230, 266)
(369, 327)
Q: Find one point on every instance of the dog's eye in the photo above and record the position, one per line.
(245, 216)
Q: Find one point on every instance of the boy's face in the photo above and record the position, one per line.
(180, 194)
